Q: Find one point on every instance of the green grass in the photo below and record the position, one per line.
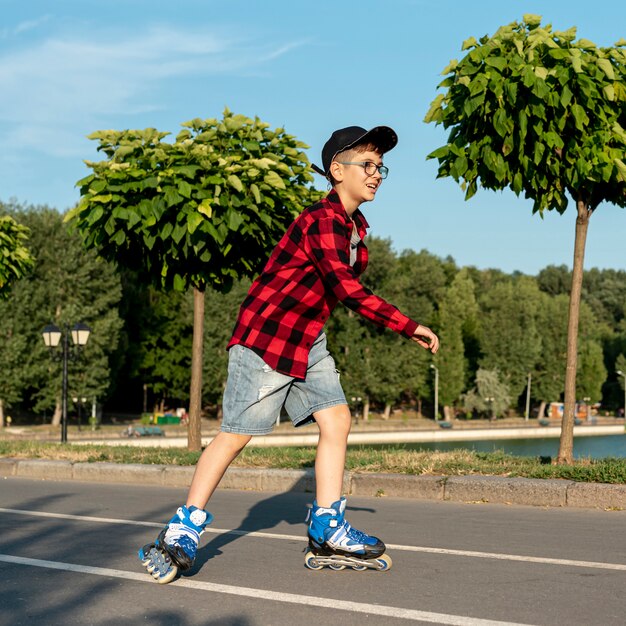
(388, 459)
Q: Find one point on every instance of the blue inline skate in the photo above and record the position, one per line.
(176, 546)
(333, 542)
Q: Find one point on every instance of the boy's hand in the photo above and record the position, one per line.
(426, 338)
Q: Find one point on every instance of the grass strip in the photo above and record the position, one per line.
(386, 459)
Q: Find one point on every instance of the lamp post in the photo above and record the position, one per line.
(52, 336)
(624, 375)
(434, 367)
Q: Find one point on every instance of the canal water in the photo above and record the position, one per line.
(594, 447)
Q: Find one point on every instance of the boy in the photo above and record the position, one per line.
(278, 359)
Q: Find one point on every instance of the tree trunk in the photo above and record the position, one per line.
(56, 416)
(542, 410)
(419, 407)
(366, 408)
(447, 413)
(566, 446)
(387, 411)
(194, 440)
(1, 413)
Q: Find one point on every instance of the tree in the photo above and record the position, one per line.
(221, 312)
(620, 366)
(458, 312)
(12, 352)
(591, 371)
(490, 395)
(543, 114)
(416, 287)
(67, 285)
(15, 258)
(547, 375)
(165, 347)
(510, 340)
(200, 212)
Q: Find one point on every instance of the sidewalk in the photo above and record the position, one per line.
(468, 489)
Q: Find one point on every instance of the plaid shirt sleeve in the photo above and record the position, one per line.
(306, 274)
(327, 247)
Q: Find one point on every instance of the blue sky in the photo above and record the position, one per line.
(70, 67)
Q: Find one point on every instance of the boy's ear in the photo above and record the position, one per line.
(336, 171)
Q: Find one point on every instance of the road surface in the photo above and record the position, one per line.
(68, 556)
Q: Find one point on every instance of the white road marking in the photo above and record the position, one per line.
(511, 557)
(263, 594)
(391, 546)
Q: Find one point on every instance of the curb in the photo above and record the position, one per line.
(468, 489)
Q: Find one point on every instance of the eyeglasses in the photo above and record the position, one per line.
(370, 167)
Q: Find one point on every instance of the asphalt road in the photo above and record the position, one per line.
(68, 556)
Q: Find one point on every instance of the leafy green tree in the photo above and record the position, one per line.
(555, 280)
(220, 313)
(620, 366)
(491, 395)
(12, 352)
(605, 292)
(510, 339)
(541, 113)
(417, 287)
(458, 312)
(202, 211)
(165, 347)
(66, 285)
(15, 258)
(591, 371)
(547, 375)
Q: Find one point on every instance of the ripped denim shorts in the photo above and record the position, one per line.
(256, 395)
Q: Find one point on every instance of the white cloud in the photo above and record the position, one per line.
(23, 27)
(57, 89)
(27, 25)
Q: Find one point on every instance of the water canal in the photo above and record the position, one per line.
(595, 447)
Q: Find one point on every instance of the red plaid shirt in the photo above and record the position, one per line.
(308, 272)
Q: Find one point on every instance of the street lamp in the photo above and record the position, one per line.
(52, 336)
(434, 367)
(624, 375)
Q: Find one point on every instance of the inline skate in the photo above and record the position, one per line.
(176, 546)
(334, 543)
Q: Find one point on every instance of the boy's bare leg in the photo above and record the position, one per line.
(212, 465)
(334, 424)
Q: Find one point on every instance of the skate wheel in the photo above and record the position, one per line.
(337, 567)
(384, 563)
(359, 568)
(311, 562)
(168, 578)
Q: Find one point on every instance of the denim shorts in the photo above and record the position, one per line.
(255, 394)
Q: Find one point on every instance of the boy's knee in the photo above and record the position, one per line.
(336, 420)
(235, 441)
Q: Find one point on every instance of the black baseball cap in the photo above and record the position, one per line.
(383, 137)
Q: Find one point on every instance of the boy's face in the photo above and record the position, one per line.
(355, 183)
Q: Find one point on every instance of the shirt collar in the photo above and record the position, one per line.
(357, 217)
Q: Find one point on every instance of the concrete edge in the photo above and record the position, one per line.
(466, 489)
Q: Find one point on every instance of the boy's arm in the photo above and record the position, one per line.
(327, 240)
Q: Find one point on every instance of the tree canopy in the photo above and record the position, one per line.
(15, 258)
(204, 210)
(541, 113)
(537, 111)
